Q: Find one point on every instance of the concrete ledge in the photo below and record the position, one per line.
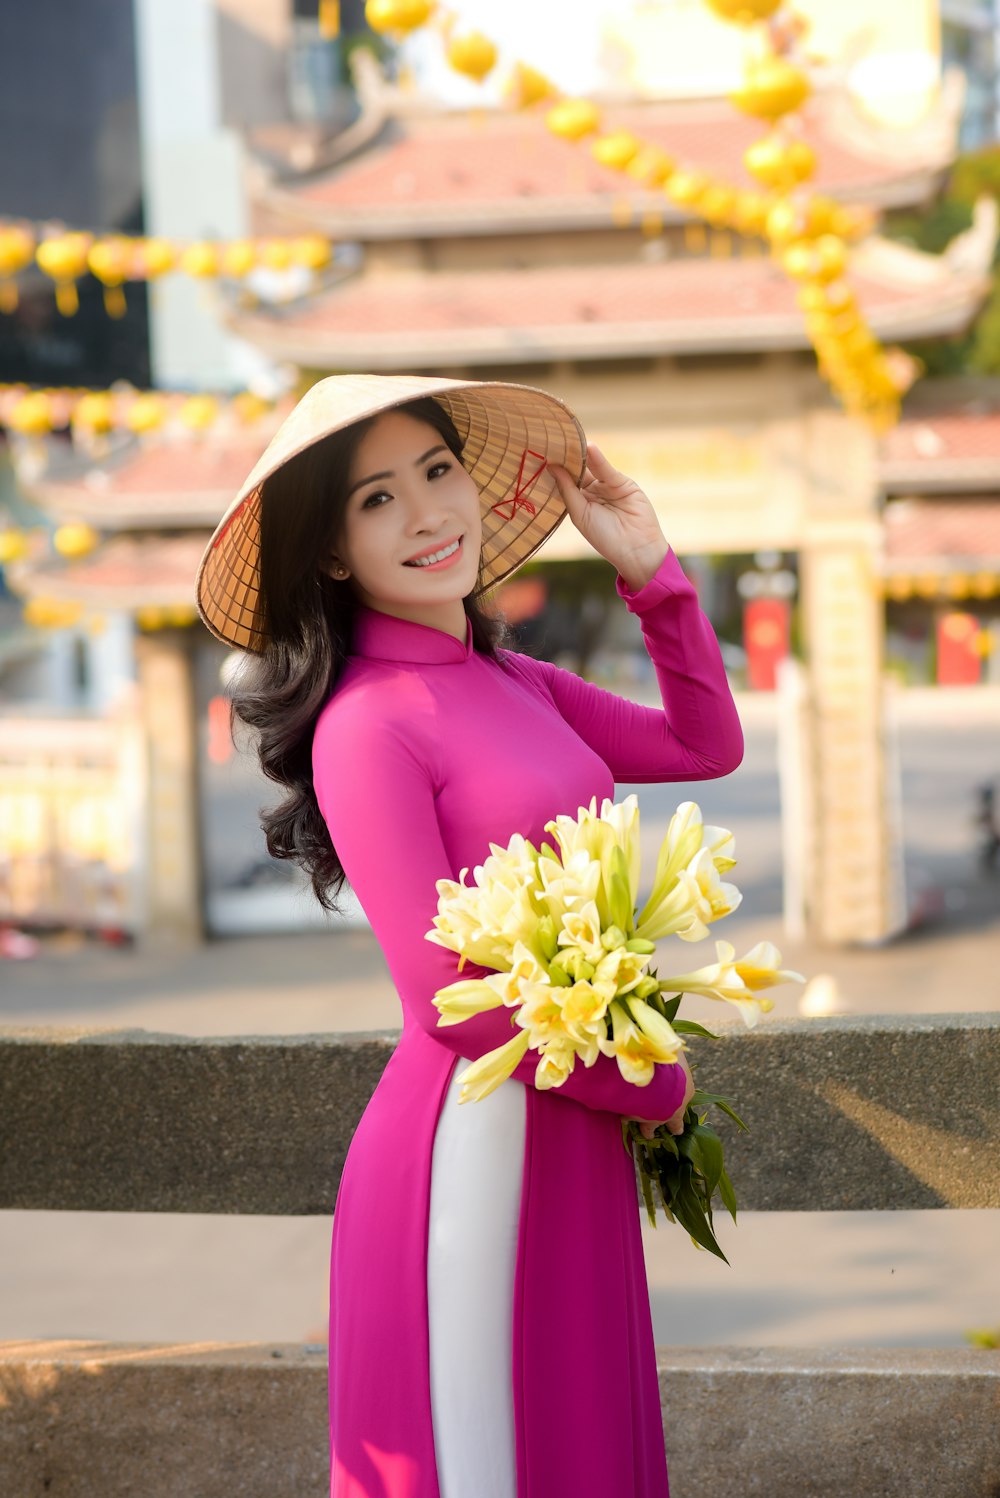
(845, 1114)
(110, 1421)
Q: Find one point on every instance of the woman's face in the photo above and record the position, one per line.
(408, 496)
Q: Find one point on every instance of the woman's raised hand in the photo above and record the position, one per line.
(615, 516)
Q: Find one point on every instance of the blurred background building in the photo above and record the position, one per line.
(470, 242)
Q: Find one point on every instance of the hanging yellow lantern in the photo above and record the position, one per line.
(179, 615)
(750, 212)
(831, 257)
(248, 407)
(198, 412)
(276, 254)
(573, 118)
(474, 55)
(650, 166)
(687, 188)
(328, 16)
(238, 258)
(153, 258)
(526, 86)
(784, 223)
(13, 545)
(43, 612)
(718, 203)
(312, 251)
(771, 88)
(397, 15)
(615, 150)
(75, 539)
(798, 260)
(778, 163)
(200, 260)
(850, 223)
(94, 412)
(64, 259)
(17, 251)
(32, 415)
(744, 12)
(150, 616)
(146, 413)
(111, 260)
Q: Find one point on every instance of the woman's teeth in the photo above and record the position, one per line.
(435, 556)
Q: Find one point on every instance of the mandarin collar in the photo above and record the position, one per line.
(387, 637)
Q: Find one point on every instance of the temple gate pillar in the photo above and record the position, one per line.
(173, 904)
(852, 890)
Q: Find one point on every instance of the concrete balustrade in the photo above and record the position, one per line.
(845, 1114)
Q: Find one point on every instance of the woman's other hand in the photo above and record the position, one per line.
(615, 516)
(675, 1123)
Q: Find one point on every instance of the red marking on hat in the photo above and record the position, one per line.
(521, 487)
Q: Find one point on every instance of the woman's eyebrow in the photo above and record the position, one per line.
(389, 473)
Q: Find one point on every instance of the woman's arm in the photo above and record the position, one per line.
(377, 798)
(696, 735)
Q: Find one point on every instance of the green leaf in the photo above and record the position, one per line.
(720, 1102)
(710, 1150)
(728, 1194)
(647, 1196)
(671, 1006)
(691, 1027)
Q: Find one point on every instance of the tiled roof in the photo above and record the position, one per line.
(505, 166)
(125, 572)
(153, 483)
(670, 306)
(951, 449)
(942, 531)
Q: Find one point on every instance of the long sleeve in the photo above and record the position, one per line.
(696, 735)
(377, 796)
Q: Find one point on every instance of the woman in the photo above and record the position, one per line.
(490, 1332)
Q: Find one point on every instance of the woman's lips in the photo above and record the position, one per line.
(438, 566)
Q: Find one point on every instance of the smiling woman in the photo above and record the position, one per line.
(490, 1329)
(426, 518)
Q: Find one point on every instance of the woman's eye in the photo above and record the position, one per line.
(379, 493)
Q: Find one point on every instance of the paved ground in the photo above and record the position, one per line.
(844, 1279)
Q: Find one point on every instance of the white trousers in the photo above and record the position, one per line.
(475, 1203)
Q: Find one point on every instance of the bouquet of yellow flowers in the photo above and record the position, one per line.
(570, 958)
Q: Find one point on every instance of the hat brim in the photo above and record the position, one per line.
(510, 434)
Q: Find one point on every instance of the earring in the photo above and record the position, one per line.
(340, 570)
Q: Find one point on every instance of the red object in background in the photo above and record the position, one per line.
(220, 746)
(959, 661)
(766, 632)
(522, 598)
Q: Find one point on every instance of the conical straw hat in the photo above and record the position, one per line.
(510, 433)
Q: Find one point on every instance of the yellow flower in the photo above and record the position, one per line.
(540, 1014)
(697, 897)
(554, 1066)
(686, 838)
(567, 885)
(619, 971)
(639, 1046)
(466, 997)
(624, 819)
(659, 1033)
(583, 1011)
(582, 928)
(737, 980)
(488, 1071)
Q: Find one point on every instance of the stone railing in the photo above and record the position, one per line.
(845, 1114)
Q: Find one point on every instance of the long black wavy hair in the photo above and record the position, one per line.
(308, 618)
